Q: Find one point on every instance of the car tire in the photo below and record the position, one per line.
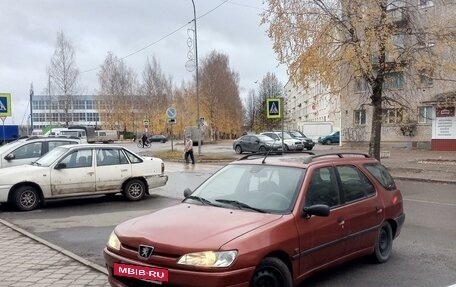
(262, 149)
(328, 141)
(272, 272)
(134, 190)
(309, 148)
(25, 198)
(238, 149)
(383, 244)
(286, 148)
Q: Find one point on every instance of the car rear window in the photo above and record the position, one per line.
(382, 175)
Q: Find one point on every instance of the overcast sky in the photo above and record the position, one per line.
(28, 29)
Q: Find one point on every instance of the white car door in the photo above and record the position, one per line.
(113, 168)
(74, 174)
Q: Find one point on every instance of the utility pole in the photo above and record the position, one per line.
(197, 81)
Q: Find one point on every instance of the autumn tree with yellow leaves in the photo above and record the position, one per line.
(341, 43)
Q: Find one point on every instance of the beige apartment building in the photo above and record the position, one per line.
(419, 110)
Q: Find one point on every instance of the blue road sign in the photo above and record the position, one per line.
(273, 108)
(171, 113)
(5, 105)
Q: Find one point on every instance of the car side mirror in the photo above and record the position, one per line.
(60, 165)
(187, 192)
(9, 156)
(257, 141)
(317, 210)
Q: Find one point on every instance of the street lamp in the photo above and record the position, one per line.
(197, 82)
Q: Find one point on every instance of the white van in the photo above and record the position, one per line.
(79, 133)
(106, 136)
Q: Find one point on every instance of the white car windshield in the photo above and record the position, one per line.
(261, 188)
(50, 157)
(285, 135)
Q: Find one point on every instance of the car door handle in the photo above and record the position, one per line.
(124, 169)
(340, 221)
(90, 173)
(379, 209)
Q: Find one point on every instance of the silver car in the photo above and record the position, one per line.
(289, 143)
(27, 150)
(256, 143)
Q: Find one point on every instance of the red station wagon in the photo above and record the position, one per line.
(263, 221)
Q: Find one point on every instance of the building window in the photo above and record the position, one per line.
(360, 85)
(360, 117)
(394, 81)
(426, 79)
(393, 116)
(425, 115)
(424, 40)
(426, 3)
(395, 4)
(89, 104)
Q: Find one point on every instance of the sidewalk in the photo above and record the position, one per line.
(27, 260)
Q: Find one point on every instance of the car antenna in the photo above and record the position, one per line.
(266, 155)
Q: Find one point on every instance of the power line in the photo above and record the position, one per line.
(162, 38)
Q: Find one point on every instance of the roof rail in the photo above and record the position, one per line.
(339, 154)
(259, 154)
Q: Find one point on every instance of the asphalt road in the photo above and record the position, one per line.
(423, 255)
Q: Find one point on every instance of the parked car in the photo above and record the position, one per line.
(27, 150)
(307, 142)
(289, 143)
(333, 137)
(158, 138)
(256, 143)
(263, 221)
(81, 170)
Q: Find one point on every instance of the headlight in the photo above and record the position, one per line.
(114, 241)
(209, 258)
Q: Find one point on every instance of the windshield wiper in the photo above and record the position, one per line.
(202, 200)
(240, 204)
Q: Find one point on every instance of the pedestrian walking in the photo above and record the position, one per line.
(188, 149)
(144, 140)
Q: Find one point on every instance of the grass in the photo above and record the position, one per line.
(179, 156)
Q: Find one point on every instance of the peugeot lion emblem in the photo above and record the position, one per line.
(145, 251)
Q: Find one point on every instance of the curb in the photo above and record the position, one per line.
(398, 177)
(65, 252)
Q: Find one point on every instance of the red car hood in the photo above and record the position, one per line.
(186, 227)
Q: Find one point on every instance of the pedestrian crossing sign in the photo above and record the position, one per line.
(273, 108)
(5, 105)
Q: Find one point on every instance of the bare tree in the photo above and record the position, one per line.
(270, 87)
(64, 75)
(220, 101)
(250, 110)
(372, 43)
(117, 86)
(158, 91)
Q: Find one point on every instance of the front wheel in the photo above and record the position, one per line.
(134, 190)
(26, 198)
(328, 142)
(383, 244)
(309, 148)
(272, 272)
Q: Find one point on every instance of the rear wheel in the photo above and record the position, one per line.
(134, 190)
(384, 243)
(238, 149)
(262, 149)
(286, 148)
(272, 272)
(26, 198)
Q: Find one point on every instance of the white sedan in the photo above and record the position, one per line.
(81, 170)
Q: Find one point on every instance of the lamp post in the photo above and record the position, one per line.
(197, 81)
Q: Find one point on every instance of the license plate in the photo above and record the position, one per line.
(150, 274)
